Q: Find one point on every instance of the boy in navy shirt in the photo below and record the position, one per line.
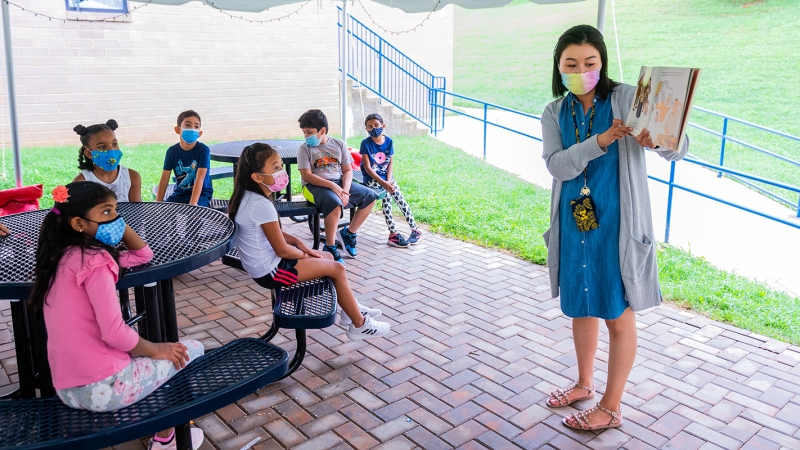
(377, 165)
(190, 160)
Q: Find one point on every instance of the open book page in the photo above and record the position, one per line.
(643, 100)
(687, 109)
(670, 101)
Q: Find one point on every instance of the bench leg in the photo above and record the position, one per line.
(315, 230)
(183, 436)
(299, 354)
(273, 329)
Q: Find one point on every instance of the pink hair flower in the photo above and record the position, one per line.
(60, 194)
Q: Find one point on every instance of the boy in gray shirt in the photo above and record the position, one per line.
(325, 165)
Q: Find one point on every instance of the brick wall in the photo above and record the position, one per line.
(246, 80)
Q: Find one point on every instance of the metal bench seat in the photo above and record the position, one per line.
(215, 203)
(216, 379)
(310, 305)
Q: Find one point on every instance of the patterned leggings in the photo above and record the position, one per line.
(136, 381)
(387, 206)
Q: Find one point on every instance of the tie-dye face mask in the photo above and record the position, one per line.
(581, 83)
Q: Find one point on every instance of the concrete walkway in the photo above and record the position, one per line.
(476, 345)
(729, 238)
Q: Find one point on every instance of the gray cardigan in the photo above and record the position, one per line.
(637, 252)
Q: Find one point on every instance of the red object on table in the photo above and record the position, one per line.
(356, 158)
(21, 199)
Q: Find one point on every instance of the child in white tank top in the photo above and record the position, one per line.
(99, 158)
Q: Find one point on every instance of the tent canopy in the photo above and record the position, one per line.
(409, 6)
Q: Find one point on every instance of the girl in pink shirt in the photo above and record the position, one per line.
(97, 362)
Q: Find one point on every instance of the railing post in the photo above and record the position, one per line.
(722, 148)
(798, 206)
(485, 112)
(380, 67)
(669, 199)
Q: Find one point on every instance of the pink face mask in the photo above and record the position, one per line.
(281, 180)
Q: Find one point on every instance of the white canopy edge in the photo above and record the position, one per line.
(409, 6)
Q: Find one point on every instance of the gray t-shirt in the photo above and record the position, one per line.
(325, 160)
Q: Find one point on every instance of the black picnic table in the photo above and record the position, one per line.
(183, 238)
(286, 148)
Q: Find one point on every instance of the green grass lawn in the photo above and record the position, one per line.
(461, 196)
(745, 48)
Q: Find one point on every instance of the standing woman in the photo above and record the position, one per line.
(601, 252)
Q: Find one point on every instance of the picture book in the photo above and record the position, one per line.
(662, 104)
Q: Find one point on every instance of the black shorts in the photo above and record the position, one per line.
(282, 276)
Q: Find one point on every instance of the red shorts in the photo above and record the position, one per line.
(282, 276)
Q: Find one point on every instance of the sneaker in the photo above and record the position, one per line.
(333, 251)
(348, 241)
(197, 441)
(371, 329)
(397, 240)
(415, 237)
(344, 319)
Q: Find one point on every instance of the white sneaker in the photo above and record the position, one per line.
(371, 329)
(197, 441)
(344, 319)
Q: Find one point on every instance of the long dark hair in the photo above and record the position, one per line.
(57, 235)
(252, 160)
(86, 133)
(579, 35)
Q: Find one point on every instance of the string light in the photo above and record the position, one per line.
(395, 33)
(68, 19)
(113, 18)
(276, 19)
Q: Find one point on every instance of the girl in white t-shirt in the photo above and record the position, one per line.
(276, 259)
(99, 159)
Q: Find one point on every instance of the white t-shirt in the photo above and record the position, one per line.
(121, 186)
(257, 256)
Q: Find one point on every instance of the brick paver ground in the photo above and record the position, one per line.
(476, 344)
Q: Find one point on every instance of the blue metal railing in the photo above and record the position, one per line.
(438, 100)
(727, 138)
(380, 67)
(439, 96)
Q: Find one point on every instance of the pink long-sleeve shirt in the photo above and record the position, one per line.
(87, 339)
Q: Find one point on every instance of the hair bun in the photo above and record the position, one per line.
(112, 124)
(80, 129)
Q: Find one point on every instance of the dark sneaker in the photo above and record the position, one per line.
(415, 237)
(333, 251)
(397, 240)
(347, 241)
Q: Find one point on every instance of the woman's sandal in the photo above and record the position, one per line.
(581, 418)
(562, 399)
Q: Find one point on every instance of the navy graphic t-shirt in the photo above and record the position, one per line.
(377, 156)
(184, 165)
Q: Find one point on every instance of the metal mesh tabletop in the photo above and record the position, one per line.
(182, 238)
(230, 151)
(212, 381)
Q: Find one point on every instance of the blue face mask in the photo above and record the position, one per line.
(312, 140)
(189, 135)
(110, 232)
(375, 132)
(107, 160)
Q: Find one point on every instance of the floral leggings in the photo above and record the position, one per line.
(136, 381)
(387, 206)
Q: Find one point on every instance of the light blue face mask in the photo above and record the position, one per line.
(110, 232)
(312, 140)
(107, 160)
(190, 135)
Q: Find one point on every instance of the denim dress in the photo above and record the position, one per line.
(590, 280)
